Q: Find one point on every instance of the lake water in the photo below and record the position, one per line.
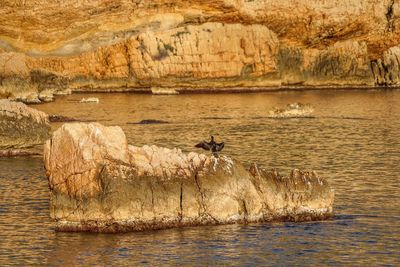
(353, 142)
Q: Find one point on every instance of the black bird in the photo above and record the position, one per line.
(212, 146)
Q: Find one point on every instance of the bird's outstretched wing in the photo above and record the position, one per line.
(203, 145)
(219, 146)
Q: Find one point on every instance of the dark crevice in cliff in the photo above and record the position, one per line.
(128, 60)
(152, 199)
(390, 17)
(103, 184)
(381, 73)
(181, 204)
(243, 209)
(203, 209)
(201, 194)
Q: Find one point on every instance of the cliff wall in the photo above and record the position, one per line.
(53, 45)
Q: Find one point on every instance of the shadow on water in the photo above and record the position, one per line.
(149, 121)
(309, 117)
(216, 118)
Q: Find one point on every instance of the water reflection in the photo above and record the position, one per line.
(353, 141)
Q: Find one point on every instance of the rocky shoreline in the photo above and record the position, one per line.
(33, 97)
(190, 47)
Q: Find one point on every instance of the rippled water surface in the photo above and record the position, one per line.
(353, 141)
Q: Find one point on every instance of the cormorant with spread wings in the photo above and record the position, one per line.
(212, 146)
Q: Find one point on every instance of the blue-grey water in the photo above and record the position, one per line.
(353, 141)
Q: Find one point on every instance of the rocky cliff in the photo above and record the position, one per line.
(132, 45)
(100, 183)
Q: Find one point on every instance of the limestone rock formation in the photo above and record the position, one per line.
(21, 127)
(135, 45)
(100, 183)
(387, 69)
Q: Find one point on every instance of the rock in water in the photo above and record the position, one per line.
(294, 110)
(99, 183)
(60, 118)
(46, 96)
(21, 126)
(164, 91)
(90, 100)
(149, 121)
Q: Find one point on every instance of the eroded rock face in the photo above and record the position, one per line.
(387, 69)
(194, 44)
(100, 183)
(21, 126)
(19, 81)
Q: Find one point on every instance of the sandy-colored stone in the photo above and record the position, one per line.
(90, 100)
(21, 126)
(164, 91)
(100, 183)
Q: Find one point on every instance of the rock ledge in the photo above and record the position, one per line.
(21, 127)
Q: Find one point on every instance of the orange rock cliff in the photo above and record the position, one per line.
(190, 45)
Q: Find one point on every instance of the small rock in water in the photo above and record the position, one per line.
(163, 91)
(150, 121)
(59, 118)
(46, 96)
(90, 100)
(294, 110)
(27, 98)
(63, 92)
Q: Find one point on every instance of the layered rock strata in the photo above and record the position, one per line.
(192, 45)
(21, 127)
(387, 69)
(100, 183)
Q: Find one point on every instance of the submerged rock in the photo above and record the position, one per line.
(149, 121)
(99, 183)
(294, 110)
(21, 126)
(60, 118)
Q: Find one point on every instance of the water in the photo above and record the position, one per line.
(353, 141)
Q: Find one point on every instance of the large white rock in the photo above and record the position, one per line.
(100, 183)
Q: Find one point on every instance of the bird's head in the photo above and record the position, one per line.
(212, 138)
